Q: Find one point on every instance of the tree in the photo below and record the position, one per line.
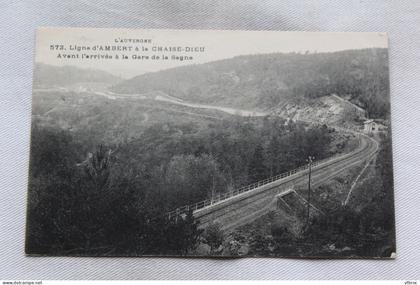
(184, 234)
(260, 244)
(213, 236)
(192, 178)
(98, 165)
(273, 154)
(257, 169)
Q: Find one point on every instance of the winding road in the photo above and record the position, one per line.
(244, 205)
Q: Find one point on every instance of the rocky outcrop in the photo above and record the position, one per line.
(329, 110)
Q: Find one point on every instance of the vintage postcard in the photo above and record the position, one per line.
(210, 144)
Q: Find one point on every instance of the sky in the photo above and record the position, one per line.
(217, 45)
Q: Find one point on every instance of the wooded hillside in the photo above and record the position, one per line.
(265, 81)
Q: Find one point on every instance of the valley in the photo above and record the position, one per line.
(213, 149)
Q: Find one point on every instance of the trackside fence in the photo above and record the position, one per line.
(250, 187)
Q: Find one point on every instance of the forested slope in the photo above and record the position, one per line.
(269, 80)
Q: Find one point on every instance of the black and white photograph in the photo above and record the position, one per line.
(210, 143)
